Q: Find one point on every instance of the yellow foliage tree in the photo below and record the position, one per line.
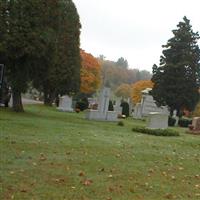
(137, 89)
(90, 73)
(124, 90)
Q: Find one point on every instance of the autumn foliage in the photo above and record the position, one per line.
(124, 90)
(90, 73)
(138, 87)
(197, 110)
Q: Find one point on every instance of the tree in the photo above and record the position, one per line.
(124, 90)
(122, 62)
(90, 73)
(60, 66)
(176, 79)
(39, 42)
(20, 43)
(117, 75)
(137, 89)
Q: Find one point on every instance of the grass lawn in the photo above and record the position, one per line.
(51, 155)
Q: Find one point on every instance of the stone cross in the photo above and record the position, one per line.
(104, 100)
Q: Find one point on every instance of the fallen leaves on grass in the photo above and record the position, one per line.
(87, 182)
(81, 174)
(42, 157)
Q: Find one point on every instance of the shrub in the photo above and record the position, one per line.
(171, 121)
(183, 122)
(120, 123)
(82, 104)
(110, 106)
(125, 108)
(156, 132)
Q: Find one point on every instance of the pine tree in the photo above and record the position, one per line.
(176, 80)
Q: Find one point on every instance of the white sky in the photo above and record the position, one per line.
(133, 29)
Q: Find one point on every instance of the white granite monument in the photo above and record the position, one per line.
(65, 104)
(102, 114)
(117, 106)
(156, 120)
(148, 105)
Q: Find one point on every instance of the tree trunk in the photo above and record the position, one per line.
(17, 101)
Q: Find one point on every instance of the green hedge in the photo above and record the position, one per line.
(184, 122)
(171, 121)
(156, 132)
(120, 123)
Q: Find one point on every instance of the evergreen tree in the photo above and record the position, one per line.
(121, 62)
(177, 78)
(39, 41)
(19, 43)
(61, 63)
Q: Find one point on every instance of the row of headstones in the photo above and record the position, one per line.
(157, 117)
(65, 104)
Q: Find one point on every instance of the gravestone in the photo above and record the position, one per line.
(137, 114)
(157, 120)
(129, 101)
(117, 106)
(65, 104)
(196, 123)
(102, 113)
(175, 117)
(195, 127)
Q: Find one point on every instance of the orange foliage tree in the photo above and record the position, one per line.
(137, 89)
(90, 73)
(124, 90)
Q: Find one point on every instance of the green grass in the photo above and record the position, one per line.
(51, 155)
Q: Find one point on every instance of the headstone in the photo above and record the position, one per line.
(157, 120)
(10, 104)
(175, 117)
(137, 114)
(117, 106)
(92, 102)
(196, 123)
(65, 104)
(129, 101)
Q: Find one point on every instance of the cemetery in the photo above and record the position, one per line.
(72, 157)
(111, 124)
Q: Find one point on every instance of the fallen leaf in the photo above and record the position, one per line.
(81, 174)
(23, 190)
(87, 182)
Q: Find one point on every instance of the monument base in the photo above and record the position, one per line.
(99, 116)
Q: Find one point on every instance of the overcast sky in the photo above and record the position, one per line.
(133, 29)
